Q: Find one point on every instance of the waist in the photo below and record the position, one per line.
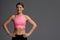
(19, 31)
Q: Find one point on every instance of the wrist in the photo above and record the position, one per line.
(8, 33)
(29, 33)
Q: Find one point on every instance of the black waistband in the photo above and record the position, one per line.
(18, 35)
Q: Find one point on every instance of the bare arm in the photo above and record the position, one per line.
(34, 25)
(6, 23)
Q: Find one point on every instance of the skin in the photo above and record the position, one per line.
(19, 31)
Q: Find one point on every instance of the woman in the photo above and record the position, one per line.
(19, 21)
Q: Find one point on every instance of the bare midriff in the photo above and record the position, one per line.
(19, 31)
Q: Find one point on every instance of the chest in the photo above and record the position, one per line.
(19, 19)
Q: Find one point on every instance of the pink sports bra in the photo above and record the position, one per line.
(19, 21)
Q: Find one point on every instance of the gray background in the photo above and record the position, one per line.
(44, 12)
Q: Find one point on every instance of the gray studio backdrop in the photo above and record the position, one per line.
(44, 12)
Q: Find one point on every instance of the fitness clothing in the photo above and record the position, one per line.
(19, 37)
(19, 21)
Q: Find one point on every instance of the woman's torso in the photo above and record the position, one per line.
(19, 24)
(19, 31)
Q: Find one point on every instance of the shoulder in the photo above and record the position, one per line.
(12, 16)
(27, 16)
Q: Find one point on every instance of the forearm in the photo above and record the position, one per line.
(6, 29)
(32, 29)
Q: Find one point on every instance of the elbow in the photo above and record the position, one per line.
(35, 25)
(4, 24)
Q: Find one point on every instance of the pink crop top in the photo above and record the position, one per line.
(19, 21)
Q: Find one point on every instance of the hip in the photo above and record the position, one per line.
(19, 37)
